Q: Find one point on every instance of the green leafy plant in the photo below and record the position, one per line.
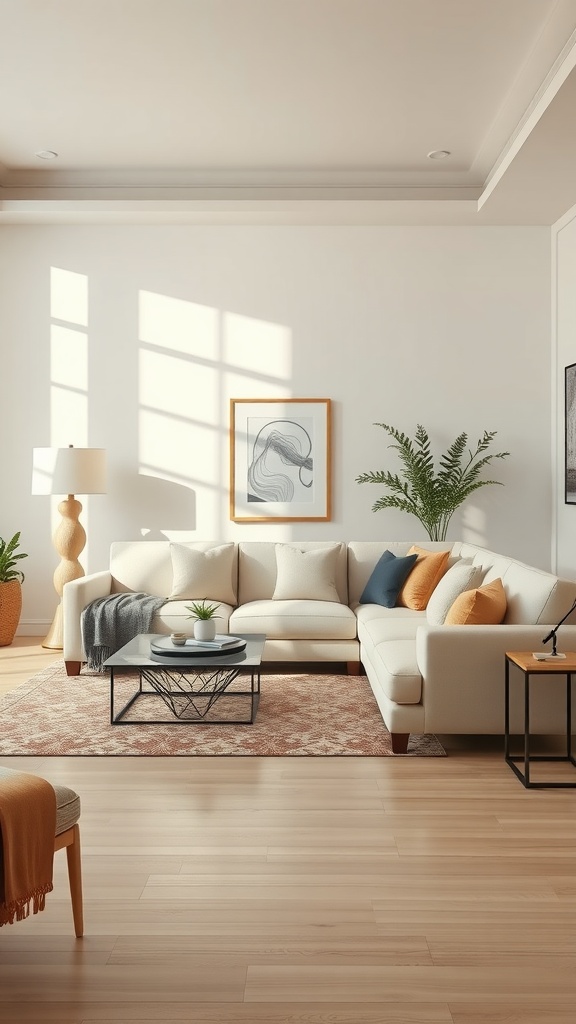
(203, 610)
(8, 559)
(418, 489)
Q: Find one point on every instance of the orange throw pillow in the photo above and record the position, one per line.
(485, 606)
(427, 572)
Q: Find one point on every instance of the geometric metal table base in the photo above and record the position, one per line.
(190, 695)
(188, 690)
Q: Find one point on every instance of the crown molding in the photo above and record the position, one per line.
(363, 211)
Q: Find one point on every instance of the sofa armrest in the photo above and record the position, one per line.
(75, 596)
(462, 671)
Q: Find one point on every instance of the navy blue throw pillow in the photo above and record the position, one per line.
(387, 579)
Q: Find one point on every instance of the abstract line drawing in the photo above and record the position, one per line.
(278, 447)
(280, 459)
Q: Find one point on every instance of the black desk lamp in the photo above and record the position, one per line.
(552, 635)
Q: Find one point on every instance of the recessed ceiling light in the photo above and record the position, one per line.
(439, 154)
(46, 154)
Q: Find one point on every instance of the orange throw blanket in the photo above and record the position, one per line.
(27, 829)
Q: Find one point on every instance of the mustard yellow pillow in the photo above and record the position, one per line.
(485, 606)
(428, 569)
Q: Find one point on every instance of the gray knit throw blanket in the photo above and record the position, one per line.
(110, 622)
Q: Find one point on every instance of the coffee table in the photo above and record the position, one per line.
(188, 684)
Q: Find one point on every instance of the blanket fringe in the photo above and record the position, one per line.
(97, 656)
(19, 909)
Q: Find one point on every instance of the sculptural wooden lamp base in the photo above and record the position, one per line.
(67, 471)
(69, 540)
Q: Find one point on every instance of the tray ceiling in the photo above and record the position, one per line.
(306, 109)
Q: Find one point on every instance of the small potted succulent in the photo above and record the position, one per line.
(11, 579)
(205, 617)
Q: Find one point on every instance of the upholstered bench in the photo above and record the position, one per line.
(67, 836)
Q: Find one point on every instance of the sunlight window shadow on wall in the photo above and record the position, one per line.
(193, 358)
(473, 525)
(69, 385)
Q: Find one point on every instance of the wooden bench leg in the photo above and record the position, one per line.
(400, 742)
(71, 840)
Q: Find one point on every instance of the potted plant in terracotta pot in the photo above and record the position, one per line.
(11, 579)
(204, 615)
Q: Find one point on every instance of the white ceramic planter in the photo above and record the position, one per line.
(205, 629)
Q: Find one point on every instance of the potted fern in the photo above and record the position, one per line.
(11, 579)
(418, 489)
(204, 615)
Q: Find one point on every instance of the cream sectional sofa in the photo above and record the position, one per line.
(426, 677)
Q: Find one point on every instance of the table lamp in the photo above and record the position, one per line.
(67, 471)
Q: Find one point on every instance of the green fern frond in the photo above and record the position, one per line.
(429, 496)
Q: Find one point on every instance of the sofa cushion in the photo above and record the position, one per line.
(535, 596)
(483, 606)
(376, 624)
(293, 619)
(398, 674)
(305, 575)
(203, 574)
(140, 566)
(460, 577)
(67, 808)
(427, 572)
(386, 580)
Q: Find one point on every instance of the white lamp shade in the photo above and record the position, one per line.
(69, 471)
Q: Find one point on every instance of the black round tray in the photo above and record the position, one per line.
(167, 649)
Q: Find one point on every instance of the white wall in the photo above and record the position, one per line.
(134, 338)
(564, 353)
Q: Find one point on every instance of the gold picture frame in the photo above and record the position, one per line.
(280, 460)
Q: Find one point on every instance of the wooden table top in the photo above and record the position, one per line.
(528, 663)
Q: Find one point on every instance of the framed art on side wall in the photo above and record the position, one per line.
(570, 434)
(280, 452)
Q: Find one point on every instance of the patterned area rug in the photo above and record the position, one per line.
(299, 715)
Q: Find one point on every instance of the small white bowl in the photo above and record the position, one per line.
(178, 639)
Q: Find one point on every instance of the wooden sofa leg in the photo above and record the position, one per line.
(353, 668)
(400, 742)
(72, 668)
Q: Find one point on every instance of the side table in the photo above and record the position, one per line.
(529, 666)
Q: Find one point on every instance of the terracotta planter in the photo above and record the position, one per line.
(10, 608)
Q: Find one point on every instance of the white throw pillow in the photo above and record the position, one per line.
(199, 574)
(460, 577)
(306, 575)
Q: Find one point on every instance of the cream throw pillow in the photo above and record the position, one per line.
(460, 577)
(203, 574)
(306, 575)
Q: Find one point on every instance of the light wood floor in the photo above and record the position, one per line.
(23, 658)
(303, 891)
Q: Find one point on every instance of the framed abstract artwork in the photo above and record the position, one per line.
(570, 434)
(280, 453)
